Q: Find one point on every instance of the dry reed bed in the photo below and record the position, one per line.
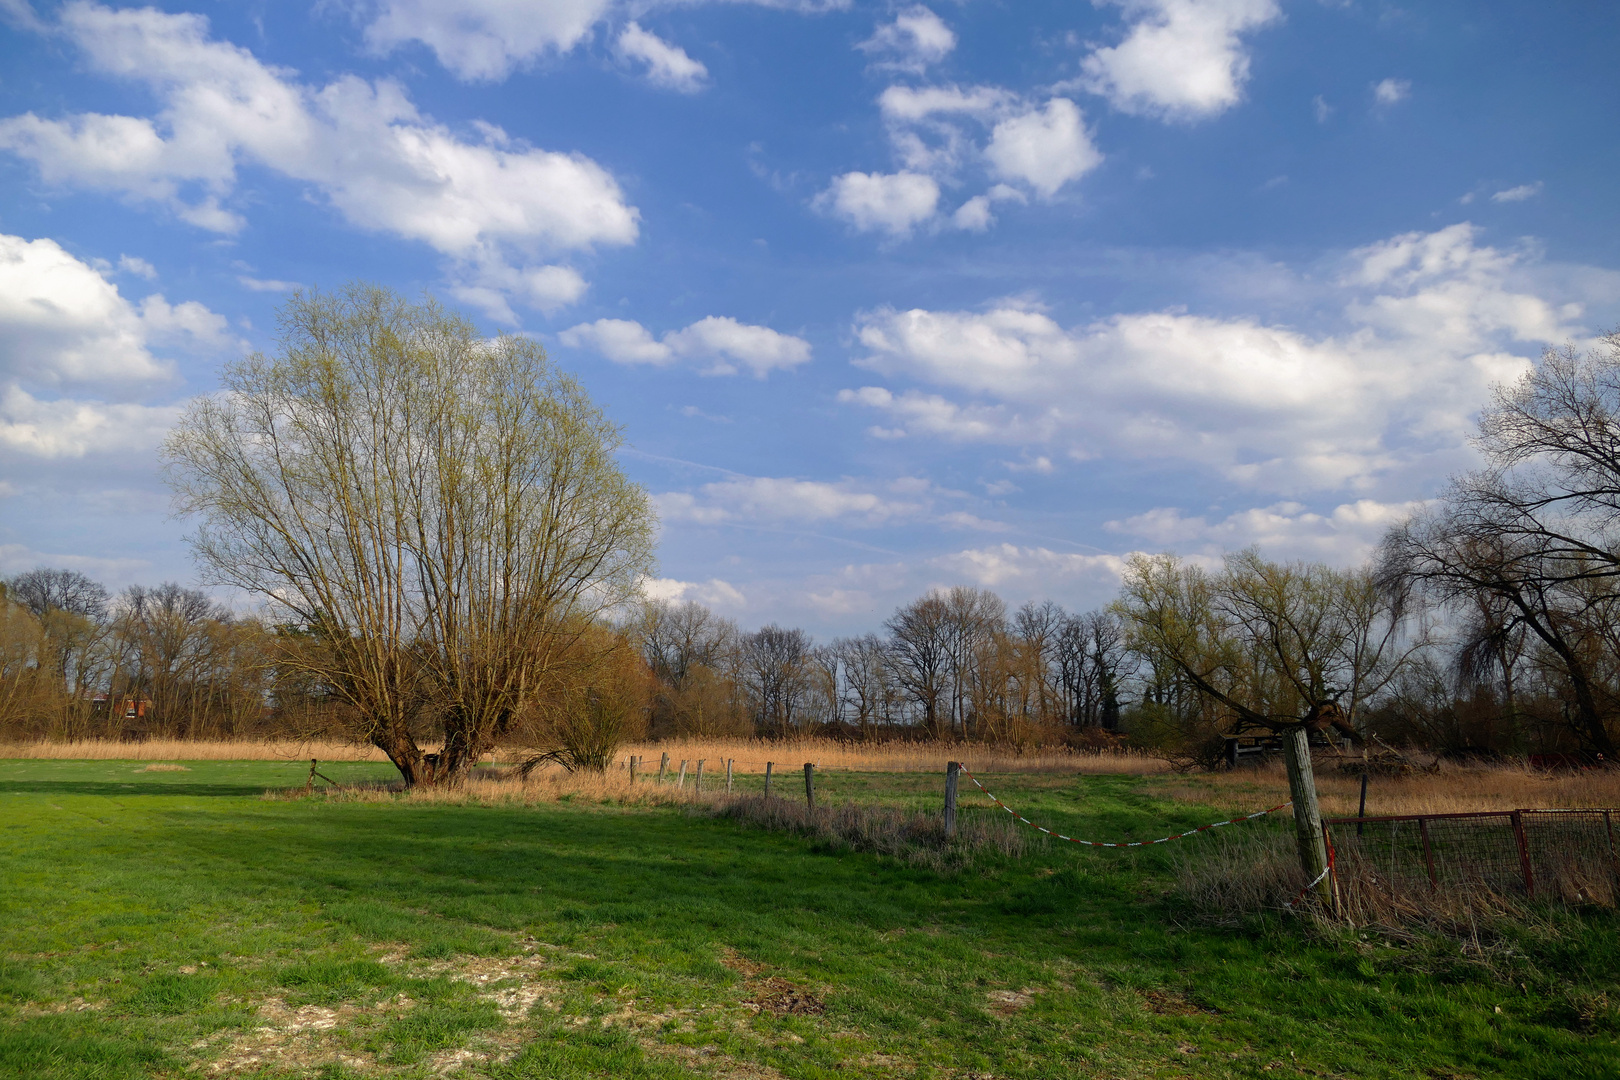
(749, 755)
(1455, 789)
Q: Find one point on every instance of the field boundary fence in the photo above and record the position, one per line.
(1566, 855)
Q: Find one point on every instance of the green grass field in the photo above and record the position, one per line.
(164, 924)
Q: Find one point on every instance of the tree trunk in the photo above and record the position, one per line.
(402, 750)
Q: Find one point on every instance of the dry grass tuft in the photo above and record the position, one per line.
(750, 756)
(164, 767)
(188, 750)
(1454, 789)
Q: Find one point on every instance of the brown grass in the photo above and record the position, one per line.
(749, 755)
(187, 750)
(1455, 789)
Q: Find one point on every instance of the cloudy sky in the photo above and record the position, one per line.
(886, 296)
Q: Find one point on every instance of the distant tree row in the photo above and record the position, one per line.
(951, 664)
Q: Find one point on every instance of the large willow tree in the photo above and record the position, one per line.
(441, 512)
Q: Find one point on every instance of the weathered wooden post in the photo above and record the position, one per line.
(729, 763)
(663, 767)
(810, 784)
(768, 779)
(680, 782)
(951, 769)
(697, 781)
(1307, 813)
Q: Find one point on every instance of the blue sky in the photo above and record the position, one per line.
(886, 296)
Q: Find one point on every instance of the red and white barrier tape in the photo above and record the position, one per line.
(1133, 843)
(1308, 888)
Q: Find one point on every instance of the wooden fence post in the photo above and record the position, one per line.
(729, 763)
(633, 761)
(1307, 813)
(697, 781)
(681, 781)
(951, 768)
(663, 767)
(810, 784)
(768, 779)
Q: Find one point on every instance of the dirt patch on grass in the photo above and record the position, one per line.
(298, 1037)
(1170, 1003)
(161, 767)
(771, 993)
(1007, 1002)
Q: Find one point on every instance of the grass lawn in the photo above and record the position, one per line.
(162, 924)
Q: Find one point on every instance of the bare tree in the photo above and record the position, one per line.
(441, 510)
(865, 686)
(920, 645)
(1538, 529)
(776, 663)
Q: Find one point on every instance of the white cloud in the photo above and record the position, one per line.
(714, 593)
(1321, 109)
(1180, 60)
(667, 65)
(1045, 149)
(722, 341)
(16, 558)
(253, 284)
(1433, 319)
(66, 329)
(1346, 534)
(909, 104)
(788, 501)
(915, 39)
(132, 264)
(1392, 91)
(1031, 571)
(485, 39)
(364, 146)
(1518, 194)
(894, 203)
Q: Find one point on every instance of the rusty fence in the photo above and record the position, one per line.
(1552, 854)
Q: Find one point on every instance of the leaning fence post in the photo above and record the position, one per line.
(1524, 854)
(810, 784)
(1428, 854)
(681, 781)
(1361, 811)
(663, 767)
(768, 779)
(729, 762)
(1614, 859)
(951, 768)
(697, 781)
(1307, 813)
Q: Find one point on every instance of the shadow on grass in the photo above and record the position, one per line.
(123, 790)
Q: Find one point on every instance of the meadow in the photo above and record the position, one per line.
(204, 917)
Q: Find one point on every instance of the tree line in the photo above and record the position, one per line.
(449, 558)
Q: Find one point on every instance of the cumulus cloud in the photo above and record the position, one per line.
(939, 132)
(915, 39)
(485, 40)
(721, 343)
(714, 593)
(1180, 59)
(1346, 534)
(1432, 322)
(1391, 91)
(667, 65)
(66, 331)
(490, 205)
(1027, 571)
(789, 501)
(893, 203)
(1518, 194)
(1045, 149)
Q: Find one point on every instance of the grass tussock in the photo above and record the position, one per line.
(1454, 789)
(917, 838)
